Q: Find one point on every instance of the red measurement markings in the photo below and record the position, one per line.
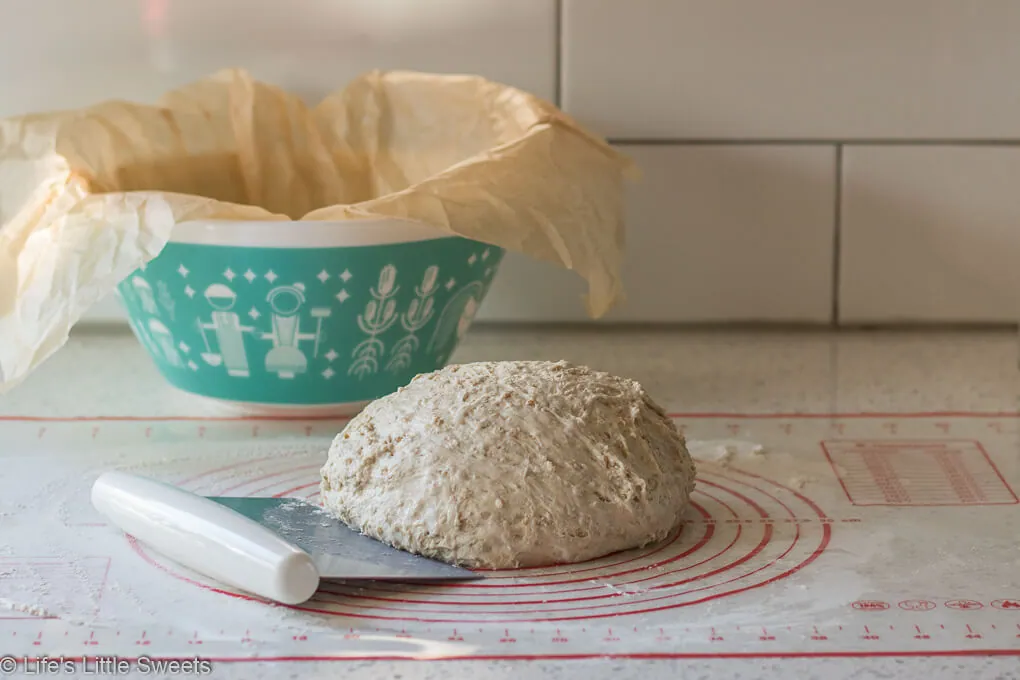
(142, 641)
(1006, 604)
(885, 477)
(921, 635)
(560, 638)
(971, 635)
(765, 635)
(92, 641)
(924, 472)
(610, 637)
(402, 634)
(38, 639)
(506, 639)
(817, 635)
(964, 604)
(916, 605)
(868, 635)
(945, 427)
(351, 635)
(662, 637)
(244, 640)
(714, 637)
(300, 638)
(455, 637)
(960, 479)
(194, 639)
(869, 605)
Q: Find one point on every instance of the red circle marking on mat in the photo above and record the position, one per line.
(382, 587)
(275, 476)
(767, 534)
(823, 543)
(591, 611)
(514, 573)
(477, 586)
(302, 487)
(188, 480)
(710, 530)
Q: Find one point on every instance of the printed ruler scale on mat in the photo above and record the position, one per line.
(759, 568)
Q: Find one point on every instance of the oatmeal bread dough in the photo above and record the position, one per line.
(511, 464)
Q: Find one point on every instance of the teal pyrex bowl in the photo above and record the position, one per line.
(305, 318)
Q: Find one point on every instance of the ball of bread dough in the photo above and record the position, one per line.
(511, 464)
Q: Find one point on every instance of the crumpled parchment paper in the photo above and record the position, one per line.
(87, 196)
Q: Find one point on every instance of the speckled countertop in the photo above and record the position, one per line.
(102, 372)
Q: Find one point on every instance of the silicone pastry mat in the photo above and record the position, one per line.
(823, 535)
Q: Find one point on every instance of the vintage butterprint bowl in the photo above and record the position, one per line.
(300, 318)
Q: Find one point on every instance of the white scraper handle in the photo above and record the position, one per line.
(205, 536)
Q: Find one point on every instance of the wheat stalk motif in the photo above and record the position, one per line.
(380, 313)
(418, 314)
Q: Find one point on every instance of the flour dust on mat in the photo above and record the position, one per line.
(511, 464)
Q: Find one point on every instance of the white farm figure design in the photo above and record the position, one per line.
(164, 340)
(285, 358)
(229, 332)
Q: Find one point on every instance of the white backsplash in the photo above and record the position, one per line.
(785, 145)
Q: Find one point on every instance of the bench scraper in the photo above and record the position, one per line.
(277, 548)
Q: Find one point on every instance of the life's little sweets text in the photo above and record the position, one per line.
(102, 665)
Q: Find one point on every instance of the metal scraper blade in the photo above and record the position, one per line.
(337, 551)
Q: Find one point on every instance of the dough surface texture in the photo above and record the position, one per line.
(510, 464)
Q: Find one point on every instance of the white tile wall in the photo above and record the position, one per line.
(736, 110)
(930, 234)
(793, 69)
(58, 54)
(717, 232)
(65, 53)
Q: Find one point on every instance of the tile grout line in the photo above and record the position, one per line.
(837, 235)
(558, 53)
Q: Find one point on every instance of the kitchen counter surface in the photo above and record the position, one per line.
(102, 372)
